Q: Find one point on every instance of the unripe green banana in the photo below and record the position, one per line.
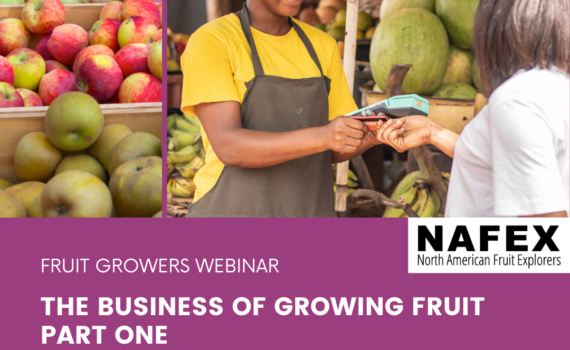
(408, 197)
(427, 207)
(181, 140)
(171, 122)
(185, 125)
(352, 175)
(189, 170)
(436, 200)
(193, 120)
(351, 183)
(404, 185)
(185, 155)
(416, 205)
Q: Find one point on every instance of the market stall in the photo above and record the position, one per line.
(375, 39)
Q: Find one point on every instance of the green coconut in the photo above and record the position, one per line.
(459, 91)
(458, 17)
(390, 6)
(459, 66)
(476, 75)
(411, 36)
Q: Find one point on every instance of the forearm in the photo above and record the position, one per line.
(258, 149)
(443, 139)
(366, 145)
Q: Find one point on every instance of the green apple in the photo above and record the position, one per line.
(4, 184)
(135, 145)
(110, 136)
(76, 194)
(83, 162)
(136, 187)
(36, 158)
(10, 207)
(36, 208)
(26, 192)
(73, 121)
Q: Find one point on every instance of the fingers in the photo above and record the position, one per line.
(389, 132)
(385, 128)
(347, 149)
(356, 124)
(390, 126)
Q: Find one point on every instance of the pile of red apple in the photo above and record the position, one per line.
(118, 61)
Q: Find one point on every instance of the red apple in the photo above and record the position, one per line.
(66, 42)
(42, 49)
(155, 60)
(105, 32)
(160, 10)
(137, 29)
(142, 8)
(133, 58)
(140, 87)
(29, 67)
(7, 74)
(53, 65)
(158, 35)
(99, 76)
(114, 99)
(42, 16)
(91, 51)
(13, 35)
(112, 9)
(56, 83)
(9, 97)
(31, 99)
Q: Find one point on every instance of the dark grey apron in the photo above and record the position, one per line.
(298, 188)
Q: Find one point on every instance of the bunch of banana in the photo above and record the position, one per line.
(185, 155)
(352, 183)
(181, 187)
(420, 196)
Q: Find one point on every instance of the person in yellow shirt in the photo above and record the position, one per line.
(269, 91)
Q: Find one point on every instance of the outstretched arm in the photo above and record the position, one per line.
(239, 147)
(414, 131)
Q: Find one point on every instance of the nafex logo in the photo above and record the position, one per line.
(462, 239)
(495, 245)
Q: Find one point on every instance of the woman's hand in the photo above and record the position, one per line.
(344, 135)
(405, 133)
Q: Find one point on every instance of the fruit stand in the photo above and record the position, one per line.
(141, 116)
(432, 38)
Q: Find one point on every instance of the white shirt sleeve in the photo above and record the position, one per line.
(526, 178)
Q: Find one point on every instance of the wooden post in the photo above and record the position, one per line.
(218, 8)
(349, 66)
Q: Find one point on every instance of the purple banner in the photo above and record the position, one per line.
(316, 258)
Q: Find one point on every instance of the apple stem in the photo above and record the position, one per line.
(61, 210)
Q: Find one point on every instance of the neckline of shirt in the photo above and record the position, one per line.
(265, 36)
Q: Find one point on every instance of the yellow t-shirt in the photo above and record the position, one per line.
(217, 64)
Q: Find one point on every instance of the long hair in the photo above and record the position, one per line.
(510, 35)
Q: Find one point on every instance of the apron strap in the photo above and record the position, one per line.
(308, 44)
(245, 26)
(257, 67)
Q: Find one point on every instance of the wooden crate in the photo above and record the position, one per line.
(452, 114)
(17, 122)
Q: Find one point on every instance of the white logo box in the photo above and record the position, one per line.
(497, 259)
